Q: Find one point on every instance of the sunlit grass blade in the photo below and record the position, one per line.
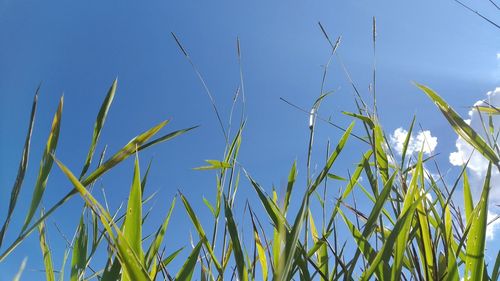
(476, 241)
(237, 249)
(291, 180)
(461, 127)
(186, 272)
(132, 230)
(214, 165)
(331, 159)
(129, 149)
(130, 262)
(452, 267)
(468, 201)
(158, 239)
(201, 232)
(260, 250)
(47, 257)
(45, 165)
(380, 153)
(291, 242)
(79, 257)
(495, 273)
(99, 123)
(23, 165)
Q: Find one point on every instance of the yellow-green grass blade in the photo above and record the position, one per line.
(129, 149)
(171, 257)
(493, 110)
(99, 123)
(408, 203)
(495, 273)
(132, 231)
(452, 268)
(79, 257)
(239, 258)
(186, 272)
(260, 250)
(214, 165)
(331, 159)
(407, 142)
(476, 238)
(291, 242)
(425, 245)
(47, 258)
(130, 262)
(292, 175)
(461, 127)
(23, 165)
(201, 232)
(380, 154)
(468, 201)
(367, 120)
(160, 234)
(20, 271)
(45, 165)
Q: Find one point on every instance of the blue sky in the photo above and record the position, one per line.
(78, 48)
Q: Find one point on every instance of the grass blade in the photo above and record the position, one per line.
(238, 252)
(23, 165)
(186, 272)
(45, 165)
(47, 258)
(79, 258)
(99, 123)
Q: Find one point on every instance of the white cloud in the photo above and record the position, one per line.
(422, 141)
(478, 165)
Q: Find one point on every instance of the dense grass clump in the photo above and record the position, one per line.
(413, 230)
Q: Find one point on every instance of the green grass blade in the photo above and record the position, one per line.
(45, 165)
(452, 268)
(461, 127)
(468, 203)
(331, 159)
(23, 165)
(239, 258)
(495, 273)
(201, 232)
(47, 258)
(291, 180)
(160, 234)
(186, 272)
(79, 258)
(476, 241)
(130, 262)
(99, 123)
(132, 231)
(129, 149)
(171, 257)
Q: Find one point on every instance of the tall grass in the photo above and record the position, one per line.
(413, 229)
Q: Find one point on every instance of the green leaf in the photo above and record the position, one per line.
(45, 165)
(99, 123)
(79, 258)
(160, 234)
(47, 258)
(461, 127)
(292, 175)
(214, 165)
(476, 238)
(23, 165)
(201, 232)
(129, 260)
(132, 231)
(239, 258)
(186, 272)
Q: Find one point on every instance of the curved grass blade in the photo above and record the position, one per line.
(99, 123)
(23, 165)
(201, 232)
(130, 262)
(47, 258)
(155, 245)
(45, 165)
(239, 258)
(186, 272)
(461, 127)
(132, 230)
(79, 258)
(476, 241)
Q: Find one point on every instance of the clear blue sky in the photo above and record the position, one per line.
(79, 47)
